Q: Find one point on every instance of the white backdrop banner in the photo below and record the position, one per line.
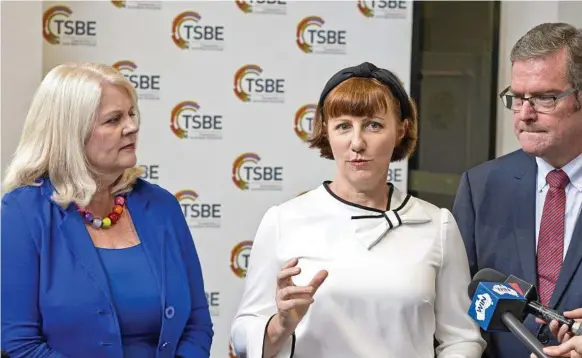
(227, 93)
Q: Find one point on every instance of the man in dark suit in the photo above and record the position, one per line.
(519, 214)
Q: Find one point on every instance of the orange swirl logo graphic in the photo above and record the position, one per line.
(303, 115)
(175, 117)
(186, 195)
(239, 77)
(239, 258)
(238, 164)
(244, 6)
(125, 66)
(302, 27)
(177, 23)
(48, 16)
(119, 4)
(364, 9)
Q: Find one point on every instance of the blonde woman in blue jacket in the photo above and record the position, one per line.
(95, 261)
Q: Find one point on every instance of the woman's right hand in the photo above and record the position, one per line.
(294, 301)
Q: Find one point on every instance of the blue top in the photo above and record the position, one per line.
(136, 298)
(59, 301)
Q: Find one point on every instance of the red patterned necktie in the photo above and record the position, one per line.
(551, 236)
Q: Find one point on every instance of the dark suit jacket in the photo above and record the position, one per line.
(55, 295)
(495, 211)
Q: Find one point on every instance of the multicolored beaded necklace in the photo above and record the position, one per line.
(109, 220)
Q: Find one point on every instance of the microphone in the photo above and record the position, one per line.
(495, 307)
(530, 293)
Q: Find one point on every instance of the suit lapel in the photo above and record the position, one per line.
(571, 263)
(524, 216)
(77, 237)
(149, 230)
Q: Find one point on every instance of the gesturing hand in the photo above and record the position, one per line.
(294, 301)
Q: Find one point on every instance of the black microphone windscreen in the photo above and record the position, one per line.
(484, 275)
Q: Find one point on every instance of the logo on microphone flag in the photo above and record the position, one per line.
(490, 301)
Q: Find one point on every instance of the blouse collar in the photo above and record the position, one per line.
(373, 224)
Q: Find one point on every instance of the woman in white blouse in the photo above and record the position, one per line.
(356, 268)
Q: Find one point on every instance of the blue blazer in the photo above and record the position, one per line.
(55, 297)
(495, 210)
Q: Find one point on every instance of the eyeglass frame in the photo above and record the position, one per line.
(530, 99)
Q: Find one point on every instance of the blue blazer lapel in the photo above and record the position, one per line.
(570, 265)
(150, 232)
(524, 211)
(79, 242)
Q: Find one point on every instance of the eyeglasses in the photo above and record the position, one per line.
(540, 104)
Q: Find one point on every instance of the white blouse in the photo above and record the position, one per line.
(396, 279)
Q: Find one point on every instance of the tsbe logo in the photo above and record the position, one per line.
(267, 7)
(199, 214)
(147, 85)
(251, 85)
(303, 125)
(60, 27)
(151, 172)
(239, 258)
(138, 5)
(188, 120)
(248, 173)
(213, 299)
(384, 9)
(483, 302)
(314, 36)
(504, 290)
(189, 32)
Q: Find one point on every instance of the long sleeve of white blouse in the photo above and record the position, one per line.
(258, 303)
(458, 335)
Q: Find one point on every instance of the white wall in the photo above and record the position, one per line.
(517, 17)
(20, 68)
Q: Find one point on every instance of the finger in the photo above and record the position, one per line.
(295, 303)
(291, 263)
(576, 314)
(567, 336)
(560, 350)
(554, 327)
(290, 291)
(318, 279)
(284, 276)
(540, 321)
(562, 332)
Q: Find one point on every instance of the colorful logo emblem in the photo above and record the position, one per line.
(304, 44)
(177, 113)
(239, 258)
(239, 77)
(125, 66)
(386, 9)
(177, 24)
(186, 195)
(244, 6)
(364, 9)
(303, 125)
(241, 160)
(47, 18)
(266, 7)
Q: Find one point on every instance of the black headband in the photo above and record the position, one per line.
(368, 70)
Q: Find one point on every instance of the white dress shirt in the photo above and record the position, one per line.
(396, 278)
(573, 196)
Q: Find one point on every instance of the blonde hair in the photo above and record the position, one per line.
(58, 124)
